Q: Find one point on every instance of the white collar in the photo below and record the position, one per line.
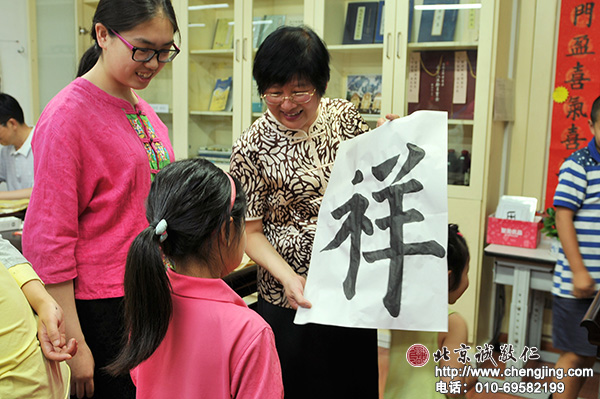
(26, 147)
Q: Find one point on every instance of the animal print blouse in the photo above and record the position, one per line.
(284, 173)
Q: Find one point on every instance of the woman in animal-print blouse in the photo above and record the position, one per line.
(284, 162)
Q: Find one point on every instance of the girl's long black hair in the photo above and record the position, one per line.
(194, 197)
(121, 16)
(458, 256)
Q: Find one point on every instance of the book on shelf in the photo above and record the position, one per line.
(221, 99)
(361, 22)
(223, 34)
(257, 102)
(364, 91)
(441, 77)
(411, 16)
(269, 24)
(380, 23)
(470, 26)
(257, 25)
(438, 25)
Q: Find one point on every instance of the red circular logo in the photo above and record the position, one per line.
(417, 355)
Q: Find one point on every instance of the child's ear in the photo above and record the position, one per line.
(223, 235)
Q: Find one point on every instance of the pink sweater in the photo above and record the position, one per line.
(92, 176)
(215, 348)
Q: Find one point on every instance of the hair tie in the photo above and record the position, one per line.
(232, 191)
(161, 230)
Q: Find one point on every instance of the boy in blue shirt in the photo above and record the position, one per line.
(577, 271)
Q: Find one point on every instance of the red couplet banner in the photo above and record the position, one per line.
(576, 86)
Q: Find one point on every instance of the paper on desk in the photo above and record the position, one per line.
(385, 209)
(11, 206)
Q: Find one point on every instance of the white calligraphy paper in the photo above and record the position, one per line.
(379, 254)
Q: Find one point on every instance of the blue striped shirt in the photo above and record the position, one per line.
(579, 190)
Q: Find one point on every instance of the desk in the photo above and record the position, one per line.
(530, 273)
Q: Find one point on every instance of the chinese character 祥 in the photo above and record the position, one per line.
(507, 353)
(398, 249)
(440, 354)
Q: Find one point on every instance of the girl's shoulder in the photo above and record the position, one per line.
(458, 331)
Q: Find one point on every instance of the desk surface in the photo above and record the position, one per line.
(540, 254)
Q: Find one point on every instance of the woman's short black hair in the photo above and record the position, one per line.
(292, 52)
(458, 256)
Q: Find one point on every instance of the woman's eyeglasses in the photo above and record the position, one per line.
(146, 54)
(297, 98)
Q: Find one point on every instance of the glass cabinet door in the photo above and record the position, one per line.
(211, 35)
(353, 33)
(443, 39)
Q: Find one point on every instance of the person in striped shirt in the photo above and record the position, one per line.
(577, 272)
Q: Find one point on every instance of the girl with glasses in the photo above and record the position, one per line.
(284, 162)
(97, 147)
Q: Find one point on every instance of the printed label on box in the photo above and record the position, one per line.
(515, 233)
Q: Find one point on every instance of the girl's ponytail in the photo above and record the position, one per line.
(148, 304)
(88, 59)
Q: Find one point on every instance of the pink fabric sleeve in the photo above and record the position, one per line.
(258, 372)
(51, 225)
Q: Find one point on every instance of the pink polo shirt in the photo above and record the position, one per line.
(92, 155)
(215, 347)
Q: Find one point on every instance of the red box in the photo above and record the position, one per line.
(515, 233)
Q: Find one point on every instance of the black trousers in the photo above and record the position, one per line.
(319, 361)
(102, 324)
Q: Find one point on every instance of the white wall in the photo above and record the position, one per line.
(15, 66)
(56, 36)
